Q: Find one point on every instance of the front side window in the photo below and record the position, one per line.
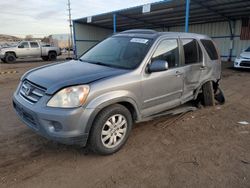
(24, 44)
(119, 52)
(192, 51)
(168, 51)
(34, 45)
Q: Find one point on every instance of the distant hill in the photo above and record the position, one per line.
(8, 38)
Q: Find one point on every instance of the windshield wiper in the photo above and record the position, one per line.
(101, 63)
(98, 63)
(92, 62)
(81, 60)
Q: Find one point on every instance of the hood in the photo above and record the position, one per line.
(57, 76)
(8, 48)
(245, 54)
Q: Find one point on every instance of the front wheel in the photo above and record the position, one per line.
(10, 58)
(111, 129)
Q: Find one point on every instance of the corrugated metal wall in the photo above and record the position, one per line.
(86, 36)
(220, 32)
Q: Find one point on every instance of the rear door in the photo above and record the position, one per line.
(35, 50)
(192, 63)
(163, 90)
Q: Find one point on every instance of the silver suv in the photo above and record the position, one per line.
(129, 77)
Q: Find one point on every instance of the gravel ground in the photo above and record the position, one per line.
(205, 148)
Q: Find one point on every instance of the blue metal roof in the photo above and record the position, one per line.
(122, 10)
(169, 13)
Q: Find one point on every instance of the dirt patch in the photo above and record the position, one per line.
(205, 148)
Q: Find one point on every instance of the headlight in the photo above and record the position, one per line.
(70, 97)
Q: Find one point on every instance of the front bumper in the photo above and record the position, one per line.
(67, 126)
(242, 63)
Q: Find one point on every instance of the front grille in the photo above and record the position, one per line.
(27, 117)
(245, 63)
(31, 92)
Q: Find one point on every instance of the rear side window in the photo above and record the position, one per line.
(192, 51)
(168, 51)
(210, 48)
(34, 45)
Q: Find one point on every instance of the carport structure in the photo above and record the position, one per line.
(220, 19)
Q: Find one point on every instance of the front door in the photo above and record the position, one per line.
(163, 90)
(23, 49)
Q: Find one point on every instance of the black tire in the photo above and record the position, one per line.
(208, 94)
(3, 60)
(52, 56)
(219, 96)
(46, 58)
(10, 58)
(96, 137)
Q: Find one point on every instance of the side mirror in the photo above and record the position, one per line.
(158, 66)
(21, 46)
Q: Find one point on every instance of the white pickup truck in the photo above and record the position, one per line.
(26, 49)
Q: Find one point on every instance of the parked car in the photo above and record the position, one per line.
(26, 49)
(243, 60)
(129, 77)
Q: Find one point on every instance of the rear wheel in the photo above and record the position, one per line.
(110, 130)
(10, 58)
(52, 56)
(208, 94)
(219, 96)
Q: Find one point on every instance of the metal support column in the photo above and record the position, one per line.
(187, 15)
(232, 30)
(114, 22)
(70, 27)
(74, 40)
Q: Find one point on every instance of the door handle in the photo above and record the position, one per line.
(203, 67)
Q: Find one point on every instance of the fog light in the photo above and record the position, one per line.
(51, 128)
(55, 126)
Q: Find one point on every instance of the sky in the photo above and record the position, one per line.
(44, 17)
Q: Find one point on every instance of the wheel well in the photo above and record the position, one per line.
(198, 90)
(52, 51)
(127, 105)
(10, 52)
(131, 108)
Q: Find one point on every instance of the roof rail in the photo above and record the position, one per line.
(141, 31)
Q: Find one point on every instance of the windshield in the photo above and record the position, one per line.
(248, 49)
(120, 52)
